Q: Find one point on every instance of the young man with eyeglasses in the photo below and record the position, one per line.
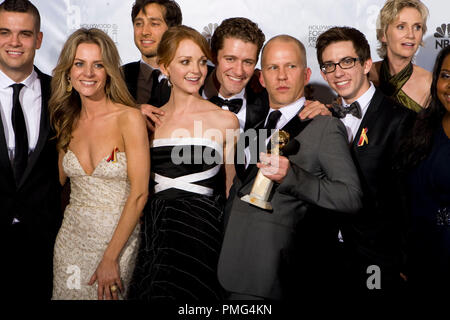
(372, 239)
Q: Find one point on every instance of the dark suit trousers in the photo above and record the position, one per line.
(29, 266)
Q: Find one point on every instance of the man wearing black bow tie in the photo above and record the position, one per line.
(235, 46)
(372, 239)
(256, 260)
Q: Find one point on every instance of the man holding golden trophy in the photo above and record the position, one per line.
(308, 173)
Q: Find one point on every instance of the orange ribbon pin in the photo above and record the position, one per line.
(363, 137)
(113, 157)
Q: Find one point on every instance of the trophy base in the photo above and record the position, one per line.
(257, 202)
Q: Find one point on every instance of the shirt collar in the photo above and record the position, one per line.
(240, 95)
(6, 81)
(290, 111)
(364, 99)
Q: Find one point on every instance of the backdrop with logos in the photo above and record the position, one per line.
(302, 19)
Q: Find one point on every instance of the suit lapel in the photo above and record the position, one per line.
(241, 171)
(131, 72)
(369, 118)
(5, 163)
(293, 127)
(44, 127)
(254, 115)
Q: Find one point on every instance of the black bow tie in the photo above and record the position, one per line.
(341, 111)
(233, 105)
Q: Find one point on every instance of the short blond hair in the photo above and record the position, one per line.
(389, 13)
(287, 38)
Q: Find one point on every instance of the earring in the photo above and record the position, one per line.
(69, 86)
(168, 81)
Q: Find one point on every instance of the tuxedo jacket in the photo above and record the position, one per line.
(256, 109)
(159, 92)
(374, 235)
(27, 245)
(322, 174)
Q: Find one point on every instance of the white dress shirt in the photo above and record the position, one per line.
(209, 91)
(351, 122)
(31, 101)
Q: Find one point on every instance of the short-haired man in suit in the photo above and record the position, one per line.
(29, 188)
(151, 18)
(235, 46)
(372, 239)
(319, 174)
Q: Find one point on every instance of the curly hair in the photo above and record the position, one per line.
(172, 11)
(418, 143)
(65, 107)
(240, 28)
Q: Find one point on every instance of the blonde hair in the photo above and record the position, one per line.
(389, 13)
(65, 107)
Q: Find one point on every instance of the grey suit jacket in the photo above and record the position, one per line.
(322, 174)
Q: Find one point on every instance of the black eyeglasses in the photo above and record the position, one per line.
(345, 63)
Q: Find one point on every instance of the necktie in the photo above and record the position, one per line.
(271, 124)
(20, 133)
(234, 105)
(340, 111)
(160, 92)
(155, 76)
(272, 121)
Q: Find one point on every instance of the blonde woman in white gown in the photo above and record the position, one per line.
(103, 149)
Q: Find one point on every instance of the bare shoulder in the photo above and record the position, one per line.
(221, 118)
(130, 116)
(226, 119)
(425, 77)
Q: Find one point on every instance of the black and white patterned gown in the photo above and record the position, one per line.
(182, 228)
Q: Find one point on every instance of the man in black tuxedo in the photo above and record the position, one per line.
(30, 212)
(319, 174)
(151, 18)
(372, 239)
(235, 46)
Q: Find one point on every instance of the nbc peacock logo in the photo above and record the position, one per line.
(208, 31)
(441, 34)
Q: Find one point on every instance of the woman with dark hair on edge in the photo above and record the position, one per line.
(103, 148)
(426, 163)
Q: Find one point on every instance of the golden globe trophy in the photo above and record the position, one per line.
(262, 186)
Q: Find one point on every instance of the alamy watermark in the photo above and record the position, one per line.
(74, 280)
(235, 147)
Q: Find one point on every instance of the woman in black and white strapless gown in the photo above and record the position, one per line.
(182, 229)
